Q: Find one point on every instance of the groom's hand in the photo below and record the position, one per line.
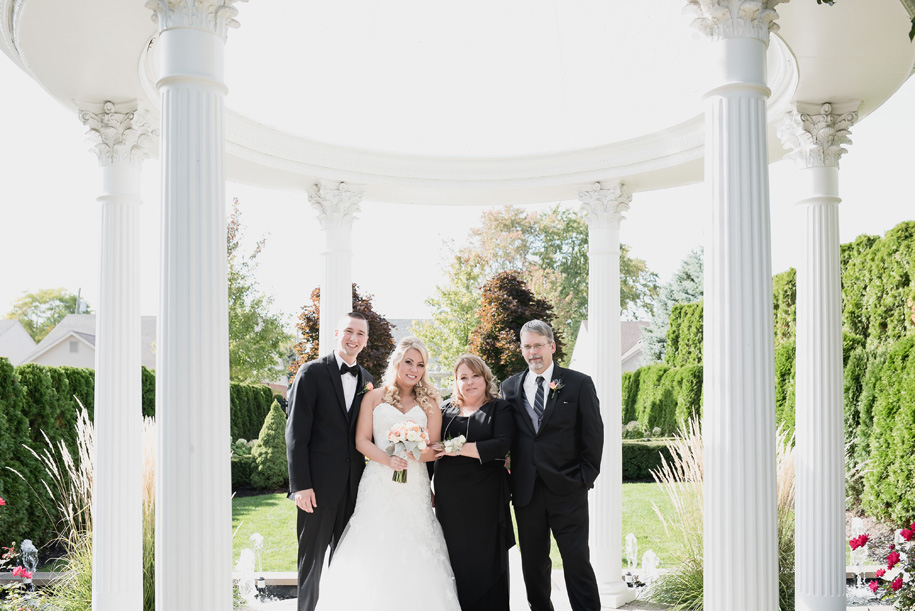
(305, 500)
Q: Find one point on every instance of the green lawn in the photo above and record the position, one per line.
(273, 516)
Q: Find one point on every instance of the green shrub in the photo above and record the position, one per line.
(890, 483)
(81, 384)
(684, 336)
(630, 394)
(243, 466)
(641, 457)
(22, 516)
(148, 388)
(784, 306)
(269, 453)
(785, 369)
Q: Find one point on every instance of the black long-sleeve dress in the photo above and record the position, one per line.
(471, 503)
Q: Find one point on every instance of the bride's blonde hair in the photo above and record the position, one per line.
(424, 392)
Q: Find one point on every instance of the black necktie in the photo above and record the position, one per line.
(353, 369)
(538, 399)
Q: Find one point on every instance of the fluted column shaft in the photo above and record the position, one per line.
(603, 208)
(193, 481)
(336, 207)
(739, 382)
(121, 144)
(816, 140)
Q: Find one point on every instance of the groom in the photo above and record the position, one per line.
(555, 459)
(324, 465)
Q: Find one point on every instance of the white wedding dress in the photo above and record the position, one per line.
(392, 554)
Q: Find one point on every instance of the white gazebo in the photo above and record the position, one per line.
(147, 77)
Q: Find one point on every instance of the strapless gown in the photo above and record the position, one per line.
(392, 554)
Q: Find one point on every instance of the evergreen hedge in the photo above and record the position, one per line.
(36, 399)
(641, 457)
(878, 314)
(662, 396)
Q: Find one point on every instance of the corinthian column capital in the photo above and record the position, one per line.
(815, 139)
(216, 16)
(604, 205)
(119, 137)
(335, 206)
(720, 19)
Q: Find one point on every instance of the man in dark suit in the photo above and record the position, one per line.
(555, 458)
(324, 465)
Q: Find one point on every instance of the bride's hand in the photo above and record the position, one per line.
(397, 463)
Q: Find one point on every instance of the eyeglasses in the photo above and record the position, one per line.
(529, 347)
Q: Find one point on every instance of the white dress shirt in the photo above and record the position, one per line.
(530, 391)
(349, 381)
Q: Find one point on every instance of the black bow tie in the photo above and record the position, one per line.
(353, 369)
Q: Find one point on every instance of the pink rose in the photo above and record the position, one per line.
(897, 583)
(873, 585)
(2, 502)
(858, 541)
(892, 559)
(906, 534)
(880, 572)
(21, 572)
(912, 527)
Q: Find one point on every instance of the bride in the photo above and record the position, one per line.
(392, 554)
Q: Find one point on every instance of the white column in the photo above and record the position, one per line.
(603, 208)
(337, 206)
(815, 135)
(193, 482)
(122, 137)
(739, 404)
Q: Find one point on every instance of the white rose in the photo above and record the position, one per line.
(414, 436)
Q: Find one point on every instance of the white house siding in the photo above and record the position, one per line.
(15, 342)
(60, 355)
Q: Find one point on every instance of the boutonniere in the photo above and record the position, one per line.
(369, 386)
(555, 386)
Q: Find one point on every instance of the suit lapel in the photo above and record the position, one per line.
(353, 413)
(335, 381)
(551, 398)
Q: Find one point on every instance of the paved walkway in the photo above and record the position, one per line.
(519, 600)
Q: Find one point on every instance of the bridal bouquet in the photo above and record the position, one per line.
(406, 437)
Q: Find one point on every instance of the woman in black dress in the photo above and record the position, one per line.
(471, 486)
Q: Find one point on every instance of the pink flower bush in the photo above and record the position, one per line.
(859, 541)
(2, 502)
(19, 571)
(897, 587)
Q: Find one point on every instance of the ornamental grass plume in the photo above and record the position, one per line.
(681, 479)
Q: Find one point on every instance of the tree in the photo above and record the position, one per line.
(39, 312)
(550, 251)
(684, 287)
(257, 338)
(270, 470)
(506, 303)
(374, 357)
(455, 313)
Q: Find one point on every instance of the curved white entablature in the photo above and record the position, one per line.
(269, 156)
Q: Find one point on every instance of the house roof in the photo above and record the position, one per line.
(83, 327)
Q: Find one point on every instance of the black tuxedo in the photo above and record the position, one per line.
(321, 454)
(552, 470)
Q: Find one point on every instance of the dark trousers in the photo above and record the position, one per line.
(318, 531)
(567, 517)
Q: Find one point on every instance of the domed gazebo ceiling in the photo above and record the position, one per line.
(476, 103)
